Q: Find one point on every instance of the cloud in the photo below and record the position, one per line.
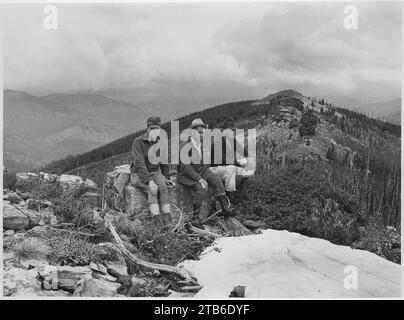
(260, 47)
(306, 46)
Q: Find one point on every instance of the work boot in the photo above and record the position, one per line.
(227, 211)
(196, 220)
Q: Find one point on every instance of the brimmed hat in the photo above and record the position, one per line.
(197, 123)
(153, 122)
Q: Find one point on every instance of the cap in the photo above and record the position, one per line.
(153, 122)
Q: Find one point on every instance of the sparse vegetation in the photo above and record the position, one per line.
(30, 248)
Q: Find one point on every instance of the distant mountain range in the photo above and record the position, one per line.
(38, 130)
(387, 110)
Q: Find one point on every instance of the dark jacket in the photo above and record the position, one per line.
(141, 164)
(222, 161)
(189, 174)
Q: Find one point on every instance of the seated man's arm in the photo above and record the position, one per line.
(139, 164)
(189, 171)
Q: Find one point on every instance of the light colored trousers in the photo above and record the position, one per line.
(229, 173)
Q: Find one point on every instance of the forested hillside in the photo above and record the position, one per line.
(322, 170)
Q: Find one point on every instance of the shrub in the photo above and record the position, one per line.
(30, 248)
(70, 248)
(67, 210)
(301, 199)
(41, 189)
(165, 247)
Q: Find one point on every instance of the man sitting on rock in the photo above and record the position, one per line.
(197, 176)
(151, 178)
(237, 163)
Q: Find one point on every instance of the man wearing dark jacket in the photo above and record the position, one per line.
(197, 176)
(149, 176)
(234, 164)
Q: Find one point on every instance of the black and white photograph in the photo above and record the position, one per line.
(201, 150)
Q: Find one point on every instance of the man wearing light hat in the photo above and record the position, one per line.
(197, 176)
(149, 176)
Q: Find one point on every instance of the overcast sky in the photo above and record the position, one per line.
(242, 49)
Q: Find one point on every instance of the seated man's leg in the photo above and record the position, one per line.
(216, 183)
(198, 194)
(228, 174)
(160, 180)
(153, 201)
(197, 197)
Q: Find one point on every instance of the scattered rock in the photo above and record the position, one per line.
(34, 263)
(8, 233)
(13, 197)
(117, 269)
(98, 267)
(90, 287)
(40, 229)
(18, 236)
(176, 294)
(69, 181)
(52, 293)
(25, 176)
(238, 292)
(90, 184)
(20, 282)
(48, 176)
(136, 281)
(251, 224)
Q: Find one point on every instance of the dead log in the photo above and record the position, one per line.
(204, 233)
(155, 266)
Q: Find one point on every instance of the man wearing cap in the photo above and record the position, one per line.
(197, 176)
(234, 164)
(149, 176)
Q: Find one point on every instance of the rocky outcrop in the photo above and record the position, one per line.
(13, 218)
(18, 217)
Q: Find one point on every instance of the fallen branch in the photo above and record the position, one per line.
(212, 215)
(204, 233)
(74, 231)
(155, 266)
(179, 220)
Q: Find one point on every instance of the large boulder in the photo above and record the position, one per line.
(13, 218)
(17, 217)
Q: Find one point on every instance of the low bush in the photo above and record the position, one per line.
(301, 199)
(71, 248)
(30, 248)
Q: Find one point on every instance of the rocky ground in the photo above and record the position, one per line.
(57, 241)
